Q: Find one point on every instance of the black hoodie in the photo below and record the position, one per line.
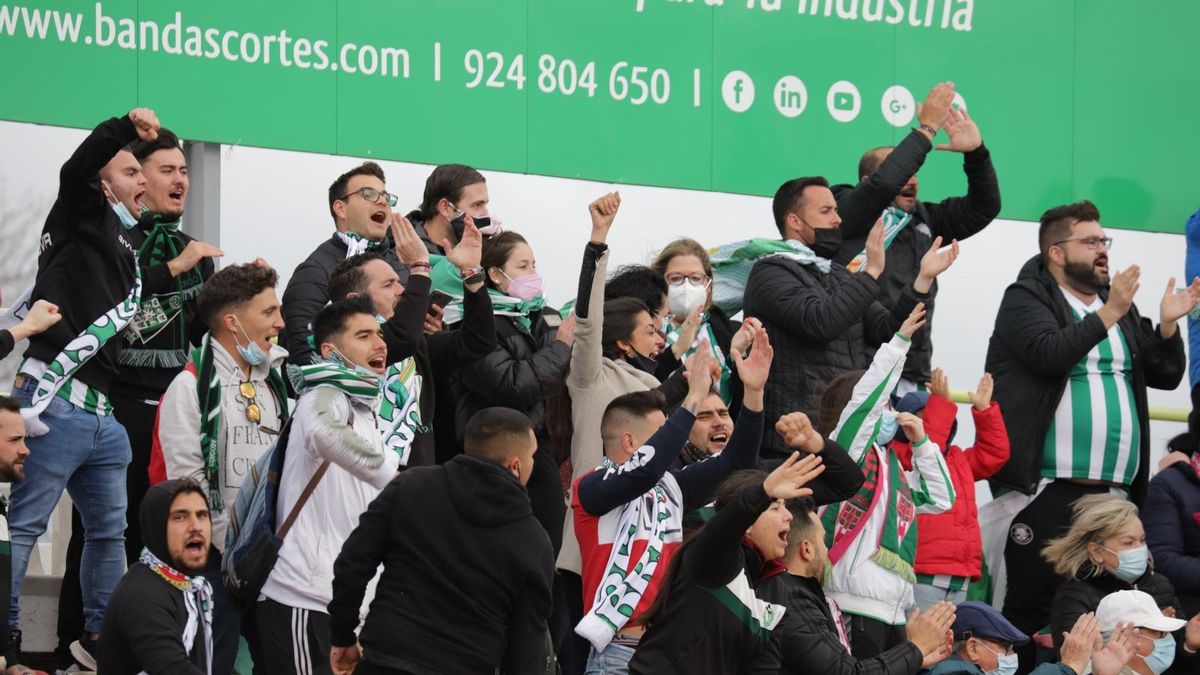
(146, 615)
(466, 579)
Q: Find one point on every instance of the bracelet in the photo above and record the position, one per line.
(421, 264)
(476, 278)
(470, 272)
(931, 130)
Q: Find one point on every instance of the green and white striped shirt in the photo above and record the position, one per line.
(73, 391)
(1095, 432)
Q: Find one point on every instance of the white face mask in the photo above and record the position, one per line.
(685, 297)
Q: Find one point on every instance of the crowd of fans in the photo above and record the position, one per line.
(412, 464)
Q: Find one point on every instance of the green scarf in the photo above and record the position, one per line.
(158, 312)
(518, 309)
(705, 330)
(732, 264)
(208, 393)
(894, 222)
(358, 383)
(444, 277)
(400, 408)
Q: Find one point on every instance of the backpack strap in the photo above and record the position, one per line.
(308, 490)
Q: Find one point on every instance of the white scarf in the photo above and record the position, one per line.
(356, 243)
(197, 597)
(647, 517)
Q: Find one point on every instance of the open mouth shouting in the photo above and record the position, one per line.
(196, 545)
(717, 440)
(175, 198)
(378, 362)
(379, 217)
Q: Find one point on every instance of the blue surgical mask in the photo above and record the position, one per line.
(127, 219)
(1006, 664)
(251, 353)
(888, 425)
(1163, 655)
(1131, 564)
(366, 373)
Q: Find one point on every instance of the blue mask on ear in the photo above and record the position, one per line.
(251, 353)
(888, 424)
(127, 219)
(1163, 655)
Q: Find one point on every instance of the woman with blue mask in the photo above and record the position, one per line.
(1103, 552)
(1155, 647)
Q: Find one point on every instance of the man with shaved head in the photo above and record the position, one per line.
(888, 190)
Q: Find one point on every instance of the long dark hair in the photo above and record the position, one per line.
(834, 399)
(725, 493)
(496, 252)
(620, 320)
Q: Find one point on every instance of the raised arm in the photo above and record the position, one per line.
(961, 217)
(856, 427)
(714, 557)
(842, 477)
(929, 481)
(588, 353)
(333, 437)
(861, 206)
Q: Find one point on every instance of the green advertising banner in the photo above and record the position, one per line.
(1076, 98)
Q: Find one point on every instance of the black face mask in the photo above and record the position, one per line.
(459, 223)
(826, 241)
(642, 363)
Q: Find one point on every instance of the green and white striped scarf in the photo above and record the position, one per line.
(732, 264)
(506, 305)
(445, 277)
(647, 518)
(157, 313)
(400, 408)
(60, 372)
(705, 331)
(208, 393)
(894, 222)
(358, 383)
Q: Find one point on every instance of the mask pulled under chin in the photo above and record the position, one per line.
(642, 362)
(826, 242)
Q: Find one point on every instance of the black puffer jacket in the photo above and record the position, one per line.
(517, 374)
(952, 218)
(523, 366)
(1075, 598)
(308, 291)
(1034, 345)
(807, 635)
(821, 325)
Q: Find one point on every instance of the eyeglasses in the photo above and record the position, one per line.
(700, 279)
(1090, 242)
(373, 195)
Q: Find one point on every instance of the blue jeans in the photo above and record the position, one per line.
(614, 660)
(926, 595)
(86, 455)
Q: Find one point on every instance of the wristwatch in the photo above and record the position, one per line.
(473, 275)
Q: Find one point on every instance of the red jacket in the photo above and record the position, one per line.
(950, 543)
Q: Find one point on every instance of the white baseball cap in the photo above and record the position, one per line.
(1137, 608)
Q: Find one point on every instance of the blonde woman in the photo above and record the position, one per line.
(1103, 552)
